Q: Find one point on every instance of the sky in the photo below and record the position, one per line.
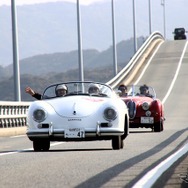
(29, 2)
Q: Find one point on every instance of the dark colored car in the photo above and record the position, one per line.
(179, 34)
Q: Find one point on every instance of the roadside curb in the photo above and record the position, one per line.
(12, 131)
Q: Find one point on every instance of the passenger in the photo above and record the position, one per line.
(144, 90)
(123, 90)
(93, 89)
(61, 90)
(33, 93)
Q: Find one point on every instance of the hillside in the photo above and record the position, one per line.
(40, 83)
(40, 65)
(41, 70)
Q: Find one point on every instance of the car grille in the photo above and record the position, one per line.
(132, 109)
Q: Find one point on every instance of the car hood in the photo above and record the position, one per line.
(76, 106)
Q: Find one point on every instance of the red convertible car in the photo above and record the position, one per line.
(145, 110)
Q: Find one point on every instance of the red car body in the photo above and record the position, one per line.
(145, 111)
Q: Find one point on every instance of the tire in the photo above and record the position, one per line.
(41, 145)
(36, 146)
(122, 143)
(46, 145)
(126, 128)
(117, 143)
(158, 127)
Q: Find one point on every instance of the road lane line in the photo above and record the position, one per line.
(176, 75)
(28, 149)
(151, 177)
(18, 136)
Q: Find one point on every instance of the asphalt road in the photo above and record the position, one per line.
(95, 164)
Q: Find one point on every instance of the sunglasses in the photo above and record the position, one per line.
(122, 88)
(92, 89)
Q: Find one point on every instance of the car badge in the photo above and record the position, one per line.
(74, 112)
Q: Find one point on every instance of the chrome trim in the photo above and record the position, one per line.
(145, 105)
(51, 129)
(132, 109)
(98, 129)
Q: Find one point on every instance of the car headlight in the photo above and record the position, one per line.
(39, 115)
(145, 106)
(110, 114)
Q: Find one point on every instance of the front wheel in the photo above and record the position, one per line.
(117, 143)
(126, 128)
(41, 145)
(158, 127)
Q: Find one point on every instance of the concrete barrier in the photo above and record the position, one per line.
(15, 131)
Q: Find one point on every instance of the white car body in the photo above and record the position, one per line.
(77, 116)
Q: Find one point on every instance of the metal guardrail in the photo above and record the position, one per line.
(13, 114)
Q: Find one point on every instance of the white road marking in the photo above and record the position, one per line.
(147, 180)
(176, 75)
(150, 178)
(18, 136)
(28, 149)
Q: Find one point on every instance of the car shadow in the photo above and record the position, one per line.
(68, 150)
(135, 132)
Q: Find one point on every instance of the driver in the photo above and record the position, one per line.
(144, 90)
(61, 90)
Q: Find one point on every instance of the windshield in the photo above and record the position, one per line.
(78, 88)
(180, 30)
(140, 90)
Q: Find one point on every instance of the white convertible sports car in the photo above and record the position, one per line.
(86, 111)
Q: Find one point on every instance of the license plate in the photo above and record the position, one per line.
(74, 133)
(147, 120)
